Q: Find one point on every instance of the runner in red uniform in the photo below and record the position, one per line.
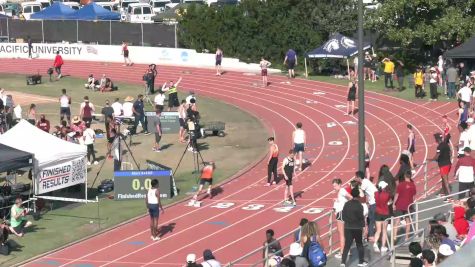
(264, 64)
(206, 178)
(125, 53)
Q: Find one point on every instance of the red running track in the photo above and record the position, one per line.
(232, 231)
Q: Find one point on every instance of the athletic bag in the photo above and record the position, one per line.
(316, 255)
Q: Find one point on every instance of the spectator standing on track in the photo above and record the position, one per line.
(86, 110)
(419, 82)
(299, 139)
(172, 92)
(303, 221)
(58, 63)
(65, 106)
(152, 200)
(89, 137)
(452, 76)
(465, 171)
(382, 198)
(388, 73)
(342, 197)
(353, 216)
(218, 61)
(433, 81)
(43, 123)
(273, 161)
(271, 246)
(352, 91)
(405, 193)
(288, 169)
(191, 261)
(264, 64)
(291, 61)
(405, 166)
(369, 190)
(117, 107)
(139, 114)
(125, 53)
(295, 253)
(443, 159)
(209, 259)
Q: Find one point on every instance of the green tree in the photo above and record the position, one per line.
(428, 23)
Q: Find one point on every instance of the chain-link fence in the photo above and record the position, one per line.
(92, 32)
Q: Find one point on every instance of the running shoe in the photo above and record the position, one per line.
(376, 248)
(146, 133)
(384, 250)
(294, 203)
(208, 191)
(268, 184)
(95, 162)
(156, 238)
(338, 256)
(273, 183)
(88, 163)
(286, 202)
(363, 264)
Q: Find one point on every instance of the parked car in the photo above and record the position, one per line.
(158, 6)
(28, 8)
(139, 13)
(172, 4)
(124, 5)
(111, 6)
(12, 9)
(73, 5)
(44, 3)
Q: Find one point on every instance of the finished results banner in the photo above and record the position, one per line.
(61, 176)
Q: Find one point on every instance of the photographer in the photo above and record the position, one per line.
(192, 123)
(154, 72)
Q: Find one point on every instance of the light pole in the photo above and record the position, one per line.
(361, 117)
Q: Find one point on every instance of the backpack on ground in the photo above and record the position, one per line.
(316, 255)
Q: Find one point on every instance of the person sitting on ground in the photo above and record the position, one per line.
(108, 86)
(444, 253)
(57, 131)
(441, 233)
(77, 125)
(18, 221)
(209, 259)
(43, 123)
(191, 261)
(416, 262)
(460, 223)
(303, 221)
(286, 262)
(91, 82)
(428, 258)
(271, 245)
(295, 253)
(4, 233)
(442, 220)
(415, 249)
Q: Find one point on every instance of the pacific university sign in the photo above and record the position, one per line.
(40, 49)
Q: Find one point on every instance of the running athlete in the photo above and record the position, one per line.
(206, 178)
(152, 200)
(181, 119)
(411, 144)
(65, 109)
(446, 126)
(219, 58)
(125, 53)
(299, 139)
(264, 64)
(172, 92)
(288, 169)
(272, 162)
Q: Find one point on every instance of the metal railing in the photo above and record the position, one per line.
(326, 223)
(90, 32)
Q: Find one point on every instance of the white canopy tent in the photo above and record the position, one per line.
(57, 164)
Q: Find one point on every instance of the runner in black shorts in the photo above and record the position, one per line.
(288, 169)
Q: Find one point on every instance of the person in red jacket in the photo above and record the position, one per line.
(58, 63)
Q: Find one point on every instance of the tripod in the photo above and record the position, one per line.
(192, 144)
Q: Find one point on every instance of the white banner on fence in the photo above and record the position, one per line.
(62, 175)
(113, 53)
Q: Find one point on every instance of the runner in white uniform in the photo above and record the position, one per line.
(65, 106)
(299, 138)
(153, 203)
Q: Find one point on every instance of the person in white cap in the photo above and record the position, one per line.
(295, 253)
(382, 198)
(444, 252)
(191, 261)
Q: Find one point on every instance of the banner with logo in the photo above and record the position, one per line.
(62, 175)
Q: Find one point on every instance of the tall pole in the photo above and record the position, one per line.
(361, 111)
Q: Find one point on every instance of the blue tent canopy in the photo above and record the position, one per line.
(57, 11)
(338, 46)
(93, 11)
